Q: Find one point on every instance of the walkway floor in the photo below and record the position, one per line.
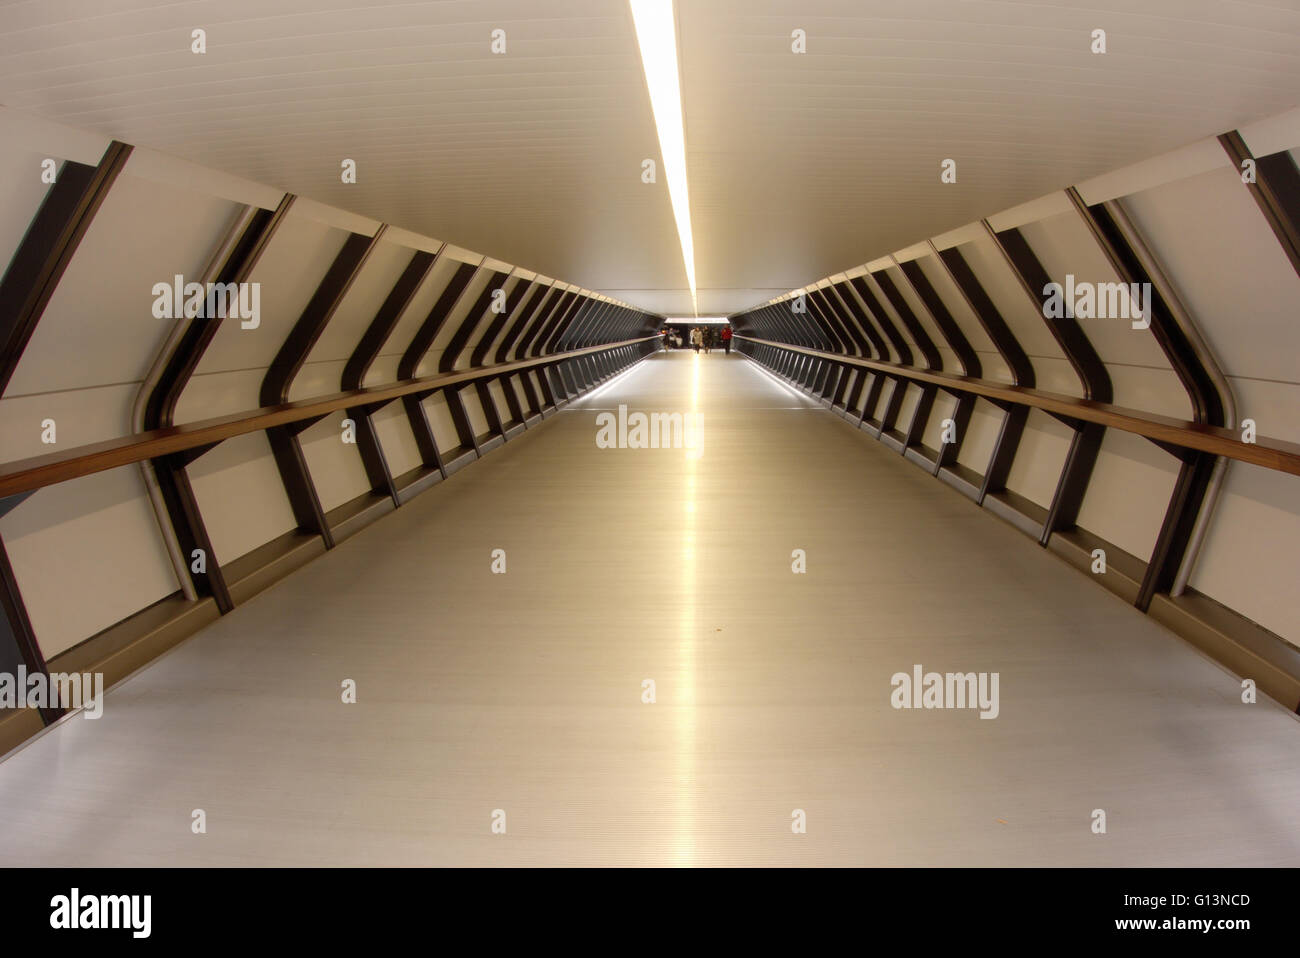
(522, 692)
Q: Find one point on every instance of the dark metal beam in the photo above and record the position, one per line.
(285, 447)
(990, 318)
(1093, 377)
(385, 320)
(1207, 405)
(531, 312)
(29, 281)
(438, 313)
(161, 406)
(1276, 191)
(178, 495)
(47, 248)
(1176, 529)
(520, 303)
(1065, 329)
(367, 350)
(460, 338)
(315, 316)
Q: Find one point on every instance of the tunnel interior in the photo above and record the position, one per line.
(346, 461)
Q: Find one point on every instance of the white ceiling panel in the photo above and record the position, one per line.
(800, 165)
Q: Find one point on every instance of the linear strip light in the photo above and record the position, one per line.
(656, 34)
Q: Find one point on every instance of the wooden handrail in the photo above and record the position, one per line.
(27, 475)
(1270, 453)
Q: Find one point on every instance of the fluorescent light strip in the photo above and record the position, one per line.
(656, 34)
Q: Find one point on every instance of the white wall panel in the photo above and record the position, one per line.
(1230, 271)
(981, 436)
(102, 310)
(991, 364)
(429, 365)
(341, 335)
(1023, 317)
(86, 553)
(474, 410)
(289, 272)
(1129, 492)
(1037, 466)
(1064, 246)
(444, 430)
(384, 368)
(335, 466)
(240, 494)
(1250, 561)
(943, 407)
(395, 436)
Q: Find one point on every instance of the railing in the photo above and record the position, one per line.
(28, 475)
(1270, 453)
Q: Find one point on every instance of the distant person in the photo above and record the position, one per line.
(726, 340)
(697, 338)
(668, 337)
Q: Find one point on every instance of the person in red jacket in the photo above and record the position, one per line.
(726, 339)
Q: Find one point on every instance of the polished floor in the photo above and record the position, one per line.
(523, 692)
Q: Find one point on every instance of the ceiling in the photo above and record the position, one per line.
(799, 165)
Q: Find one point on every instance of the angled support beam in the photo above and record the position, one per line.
(385, 320)
(1086, 443)
(460, 338)
(315, 316)
(1012, 353)
(25, 290)
(191, 532)
(48, 247)
(1275, 190)
(1065, 329)
(160, 408)
(433, 322)
(1207, 405)
(1175, 531)
(988, 315)
(1004, 451)
(496, 425)
(530, 313)
(1109, 227)
(460, 419)
(363, 356)
(285, 447)
(371, 450)
(520, 303)
(540, 329)
(513, 406)
(417, 416)
(934, 304)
